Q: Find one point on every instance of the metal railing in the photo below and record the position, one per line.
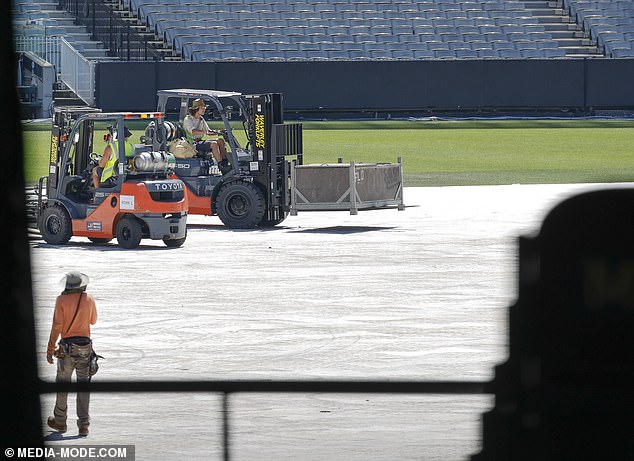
(228, 388)
(47, 48)
(77, 72)
(121, 37)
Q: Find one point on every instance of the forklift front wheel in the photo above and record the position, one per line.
(55, 225)
(272, 223)
(129, 232)
(240, 205)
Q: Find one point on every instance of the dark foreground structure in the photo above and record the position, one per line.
(565, 393)
(17, 329)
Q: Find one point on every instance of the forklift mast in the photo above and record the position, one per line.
(271, 141)
(57, 148)
(63, 120)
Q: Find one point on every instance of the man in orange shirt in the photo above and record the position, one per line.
(75, 311)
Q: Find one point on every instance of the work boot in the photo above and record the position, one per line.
(224, 167)
(83, 431)
(61, 428)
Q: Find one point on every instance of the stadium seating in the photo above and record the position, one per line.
(610, 23)
(355, 29)
(256, 30)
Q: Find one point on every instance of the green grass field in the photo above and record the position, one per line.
(438, 153)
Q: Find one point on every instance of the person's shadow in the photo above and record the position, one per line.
(58, 437)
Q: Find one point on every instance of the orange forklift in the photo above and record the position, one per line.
(143, 199)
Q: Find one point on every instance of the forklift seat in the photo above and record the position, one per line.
(76, 188)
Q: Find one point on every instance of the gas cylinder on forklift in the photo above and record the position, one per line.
(136, 198)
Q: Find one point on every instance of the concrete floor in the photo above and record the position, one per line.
(419, 294)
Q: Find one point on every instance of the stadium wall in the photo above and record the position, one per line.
(384, 86)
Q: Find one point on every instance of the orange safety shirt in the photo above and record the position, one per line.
(65, 306)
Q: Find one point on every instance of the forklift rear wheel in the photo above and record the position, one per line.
(55, 225)
(240, 205)
(174, 243)
(129, 232)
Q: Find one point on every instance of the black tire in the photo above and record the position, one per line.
(240, 205)
(175, 243)
(275, 222)
(129, 232)
(56, 226)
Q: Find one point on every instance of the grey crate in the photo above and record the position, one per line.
(346, 186)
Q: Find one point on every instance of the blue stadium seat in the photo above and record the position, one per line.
(550, 53)
(466, 54)
(531, 54)
(487, 54)
(623, 48)
(424, 54)
(445, 54)
(510, 54)
(380, 55)
(623, 53)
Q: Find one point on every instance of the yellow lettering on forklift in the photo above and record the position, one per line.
(53, 149)
(259, 130)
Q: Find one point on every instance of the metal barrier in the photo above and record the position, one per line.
(226, 388)
(77, 72)
(47, 48)
(35, 85)
(486, 86)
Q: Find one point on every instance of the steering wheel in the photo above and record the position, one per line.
(224, 134)
(86, 175)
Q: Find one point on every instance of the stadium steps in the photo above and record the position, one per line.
(125, 13)
(566, 32)
(64, 96)
(62, 23)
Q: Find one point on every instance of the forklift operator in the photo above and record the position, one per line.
(104, 174)
(196, 129)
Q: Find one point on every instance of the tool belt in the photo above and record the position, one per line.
(75, 346)
(77, 340)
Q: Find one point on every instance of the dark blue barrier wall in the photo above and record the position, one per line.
(610, 83)
(383, 86)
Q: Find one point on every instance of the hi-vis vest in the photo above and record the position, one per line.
(129, 150)
(197, 124)
(108, 169)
